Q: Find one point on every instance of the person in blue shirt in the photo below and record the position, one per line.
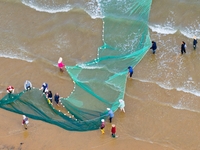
(130, 71)
(110, 114)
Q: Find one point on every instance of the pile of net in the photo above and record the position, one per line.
(100, 83)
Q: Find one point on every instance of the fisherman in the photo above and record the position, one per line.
(153, 47)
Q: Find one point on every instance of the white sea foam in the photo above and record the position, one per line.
(168, 86)
(89, 67)
(191, 33)
(193, 91)
(181, 106)
(16, 57)
(162, 29)
(47, 8)
(94, 9)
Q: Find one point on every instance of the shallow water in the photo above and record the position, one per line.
(162, 101)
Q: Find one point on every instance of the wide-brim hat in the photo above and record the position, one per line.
(108, 108)
(120, 100)
(102, 120)
(60, 60)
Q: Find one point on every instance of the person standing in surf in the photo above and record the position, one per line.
(183, 46)
(130, 71)
(153, 47)
(61, 65)
(195, 42)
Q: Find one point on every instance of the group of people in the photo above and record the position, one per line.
(49, 94)
(28, 86)
(111, 115)
(183, 46)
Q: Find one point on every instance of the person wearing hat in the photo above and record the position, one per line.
(122, 105)
(102, 126)
(44, 88)
(61, 65)
(10, 89)
(25, 121)
(110, 114)
(28, 85)
(195, 42)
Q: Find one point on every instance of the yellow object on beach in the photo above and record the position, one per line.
(49, 101)
(102, 131)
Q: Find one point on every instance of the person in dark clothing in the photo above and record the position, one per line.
(57, 98)
(183, 45)
(49, 96)
(44, 88)
(153, 47)
(195, 42)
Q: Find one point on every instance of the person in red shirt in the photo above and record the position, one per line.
(10, 89)
(113, 131)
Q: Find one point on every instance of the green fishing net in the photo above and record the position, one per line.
(100, 83)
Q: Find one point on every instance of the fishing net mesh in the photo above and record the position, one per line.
(100, 83)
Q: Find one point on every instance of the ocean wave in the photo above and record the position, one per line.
(191, 33)
(162, 29)
(92, 8)
(168, 86)
(16, 57)
(47, 7)
(188, 31)
(181, 106)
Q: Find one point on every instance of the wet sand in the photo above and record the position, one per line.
(41, 135)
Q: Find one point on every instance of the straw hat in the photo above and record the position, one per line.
(102, 120)
(108, 108)
(60, 60)
(121, 100)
